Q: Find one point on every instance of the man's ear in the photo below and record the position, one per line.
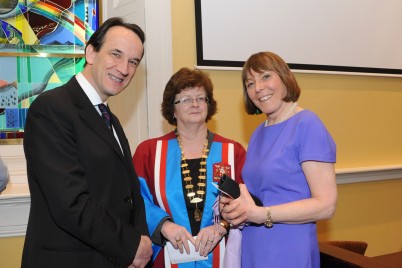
(89, 54)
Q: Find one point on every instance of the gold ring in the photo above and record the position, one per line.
(211, 241)
(178, 240)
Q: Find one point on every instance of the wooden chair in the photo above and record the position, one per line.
(355, 246)
(345, 254)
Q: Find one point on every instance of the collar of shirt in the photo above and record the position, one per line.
(89, 90)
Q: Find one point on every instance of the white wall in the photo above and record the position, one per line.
(138, 107)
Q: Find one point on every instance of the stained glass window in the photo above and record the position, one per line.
(41, 47)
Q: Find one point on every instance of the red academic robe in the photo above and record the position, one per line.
(157, 162)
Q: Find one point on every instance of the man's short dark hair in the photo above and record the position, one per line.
(98, 37)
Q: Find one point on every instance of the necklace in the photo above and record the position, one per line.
(197, 196)
(285, 117)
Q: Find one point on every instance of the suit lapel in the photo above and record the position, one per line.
(122, 138)
(91, 117)
(120, 134)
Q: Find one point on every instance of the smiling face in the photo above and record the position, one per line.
(111, 69)
(191, 113)
(268, 68)
(267, 91)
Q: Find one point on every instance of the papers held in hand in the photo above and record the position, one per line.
(231, 188)
(176, 257)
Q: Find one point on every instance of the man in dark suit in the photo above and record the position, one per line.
(86, 205)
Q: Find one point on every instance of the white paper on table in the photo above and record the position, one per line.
(176, 257)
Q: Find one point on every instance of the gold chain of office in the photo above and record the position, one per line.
(197, 196)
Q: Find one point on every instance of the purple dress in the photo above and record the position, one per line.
(273, 172)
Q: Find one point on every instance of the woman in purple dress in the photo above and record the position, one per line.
(289, 166)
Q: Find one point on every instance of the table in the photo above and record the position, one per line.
(389, 260)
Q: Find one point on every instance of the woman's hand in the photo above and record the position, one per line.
(239, 210)
(178, 236)
(320, 206)
(207, 239)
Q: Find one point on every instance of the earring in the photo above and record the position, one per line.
(257, 111)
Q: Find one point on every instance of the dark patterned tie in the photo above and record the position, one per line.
(105, 115)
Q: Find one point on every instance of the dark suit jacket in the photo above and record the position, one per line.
(86, 205)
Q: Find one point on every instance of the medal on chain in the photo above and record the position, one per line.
(195, 196)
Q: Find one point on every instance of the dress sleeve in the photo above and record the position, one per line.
(143, 161)
(315, 142)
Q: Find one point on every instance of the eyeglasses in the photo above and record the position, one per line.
(188, 100)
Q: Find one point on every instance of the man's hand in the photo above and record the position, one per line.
(143, 254)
